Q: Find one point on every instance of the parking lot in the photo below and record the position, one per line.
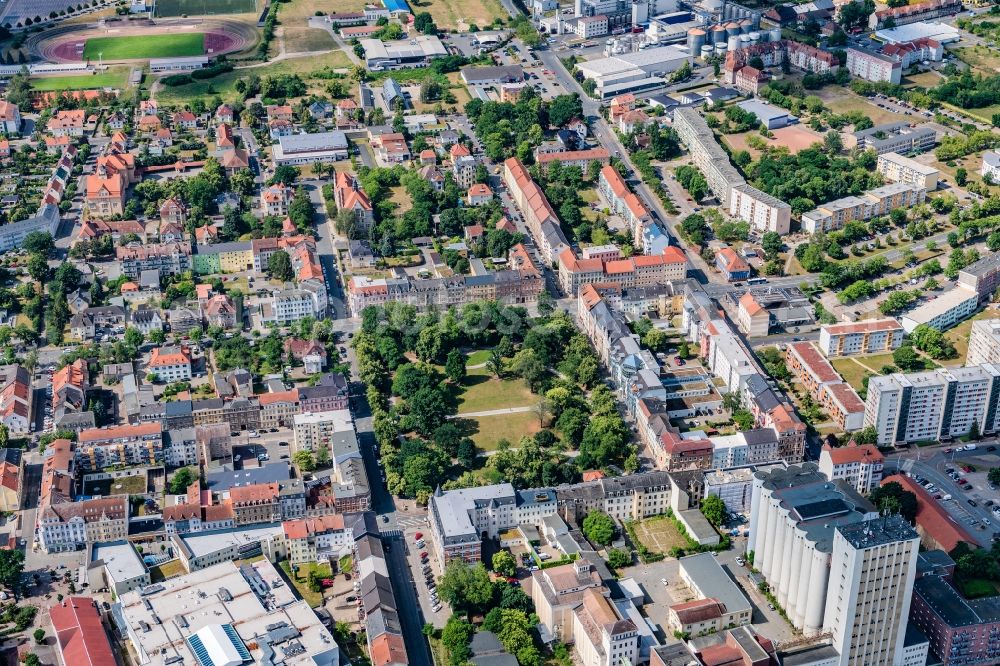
(425, 572)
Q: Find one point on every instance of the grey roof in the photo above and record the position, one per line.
(951, 607)
(473, 74)
(366, 524)
(985, 265)
(304, 143)
(219, 248)
(675, 654)
(12, 456)
(713, 581)
(817, 654)
(177, 408)
(878, 532)
(226, 478)
(484, 642)
(451, 509)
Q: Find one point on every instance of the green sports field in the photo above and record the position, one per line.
(166, 8)
(139, 47)
(114, 77)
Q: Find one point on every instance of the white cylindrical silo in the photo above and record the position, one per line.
(754, 37)
(733, 43)
(706, 51)
(775, 35)
(721, 48)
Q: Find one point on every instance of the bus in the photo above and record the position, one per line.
(756, 280)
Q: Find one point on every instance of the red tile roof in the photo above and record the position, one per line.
(932, 519)
(80, 634)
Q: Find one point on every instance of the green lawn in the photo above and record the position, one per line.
(478, 357)
(485, 392)
(486, 431)
(301, 580)
(204, 7)
(145, 46)
(113, 77)
(166, 570)
(850, 371)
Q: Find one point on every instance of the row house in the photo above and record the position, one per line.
(278, 410)
(15, 399)
(68, 123)
(538, 213)
(635, 272)
(622, 201)
(825, 385)
(316, 539)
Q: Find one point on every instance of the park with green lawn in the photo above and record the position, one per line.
(140, 47)
(456, 402)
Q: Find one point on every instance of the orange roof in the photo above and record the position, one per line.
(932, 519)
(480, 190)
(674, 255)
(458, 150)
(750, 304)
(159, 357)
(388, 649)
(589, 296)
(572, 155)
(592, 474)
(732, 260)
(113, 186)
(121, 432)
(852, 453)
(255, 493)
(303, 528)
(80, 633)
(279, 396)
(128, 287)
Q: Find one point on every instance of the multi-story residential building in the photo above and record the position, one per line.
(795, 512)
(982, 277)
(224, 258)
(635, 272)
(732, 266)
(67, 123)
(763, 212)
(15, 399)
(348, 195)
(460, 518)
(558, 590)
(984, 342)
(750, 79)
(772, 54)
(314, 429)
(861, 466)
(920, 11)
(899, 137)
(622, 201)
(286, 306)
(873, 336)
(278, 409)
(577, 158)
(943, 311)
(873, 66)
(603, 637)
(127, 445)
(872, 570)
(960, 630)
(106, 195)
(170, 364)
(166, 259)
(539, 216)
(751, 317)
(330, 393)
(707, 580)
(825, 385)
(10, 119)
(521, 283)
(934, 405)
(899, 169)
(873, 203)
(275, 199)
(68, 526)
(592, 26)
(316, 539)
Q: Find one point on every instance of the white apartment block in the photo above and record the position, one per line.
(943, 311)
(875, 336)
(899, 169)
(708, 155)
(873, 566)
(763, 212)
(872, 66)
(984, 342)
(860, 466)
(287, 306)
(935, 405)
(876, 202)
(317, 428)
